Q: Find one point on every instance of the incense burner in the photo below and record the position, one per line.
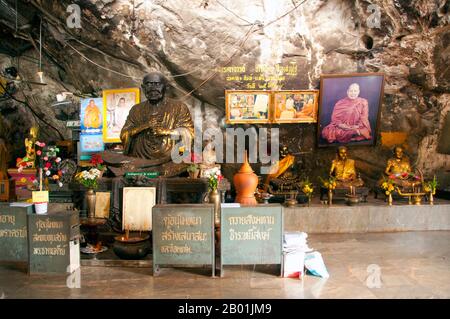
(133, 247)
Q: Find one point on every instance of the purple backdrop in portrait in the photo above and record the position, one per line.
(334, 88)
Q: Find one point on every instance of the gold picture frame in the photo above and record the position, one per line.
(248, 106)
(116, 106)
(295, 106)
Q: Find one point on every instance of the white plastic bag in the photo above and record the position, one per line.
(315, 265)
(294, 264)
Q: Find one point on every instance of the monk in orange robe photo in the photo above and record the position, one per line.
(92, 116)
(350, 119)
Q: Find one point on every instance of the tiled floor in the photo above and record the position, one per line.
(412, 265)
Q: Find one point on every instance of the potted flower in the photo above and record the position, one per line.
(214, 177)
(89, 179)
(330, 184)
(307, 189)
(194, 169)
(430, 187)
(388, 187)
(97, 162)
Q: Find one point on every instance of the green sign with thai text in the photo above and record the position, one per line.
(183, 234)
(13, 233)
(251, 235)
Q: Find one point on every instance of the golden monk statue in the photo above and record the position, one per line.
(30, 157)
(280, 175)
(148, 133)
(398, 169)
(343, 169)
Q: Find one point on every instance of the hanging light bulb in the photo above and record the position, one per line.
(41, 76)
(40, 73)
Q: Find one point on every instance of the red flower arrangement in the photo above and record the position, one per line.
(97, 162)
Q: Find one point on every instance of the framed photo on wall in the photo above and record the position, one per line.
(116, 106)
(295, 106)
(247, 106)
(349, 109)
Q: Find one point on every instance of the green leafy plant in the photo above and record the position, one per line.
(431, 186)
(329, 183)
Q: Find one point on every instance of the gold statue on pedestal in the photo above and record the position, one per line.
(344, 171)
(398, 169)
(282, 180)
(30, 158)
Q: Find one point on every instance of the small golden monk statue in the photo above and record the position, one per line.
(398, 169)
(281, 176)
(343, 170)
(30, 157)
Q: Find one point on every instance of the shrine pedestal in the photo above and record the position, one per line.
(373, 216)
(23, 181)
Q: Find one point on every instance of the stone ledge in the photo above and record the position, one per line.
(370, 217)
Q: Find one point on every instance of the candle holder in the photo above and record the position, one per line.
(414, 197)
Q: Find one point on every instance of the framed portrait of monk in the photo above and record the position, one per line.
(116, 106)
(295, 106)
(247, 106)
(349, 109)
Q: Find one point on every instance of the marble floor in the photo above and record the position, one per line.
(410, 264)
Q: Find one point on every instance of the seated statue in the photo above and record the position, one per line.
(398, 169)
(208, 164)
(30, 157)
(149, 137)
(148, 130)
(281, 178)
(343, 170)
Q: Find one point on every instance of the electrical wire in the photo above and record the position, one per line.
(233, 13)
(246, 36)
(40, 46)
(244, 39)
(32, 111)
(101, 66)
(283, 15)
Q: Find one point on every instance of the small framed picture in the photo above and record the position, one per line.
(349, 108)
(295, 106)
(116, 106)
(247, 106)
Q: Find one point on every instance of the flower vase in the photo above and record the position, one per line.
(390, 199)
(431, 198)
(309, 201)
(90, 198)
(194, 174)
(330, 197)
(214, 198)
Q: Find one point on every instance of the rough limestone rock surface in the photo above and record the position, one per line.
(207, 46)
